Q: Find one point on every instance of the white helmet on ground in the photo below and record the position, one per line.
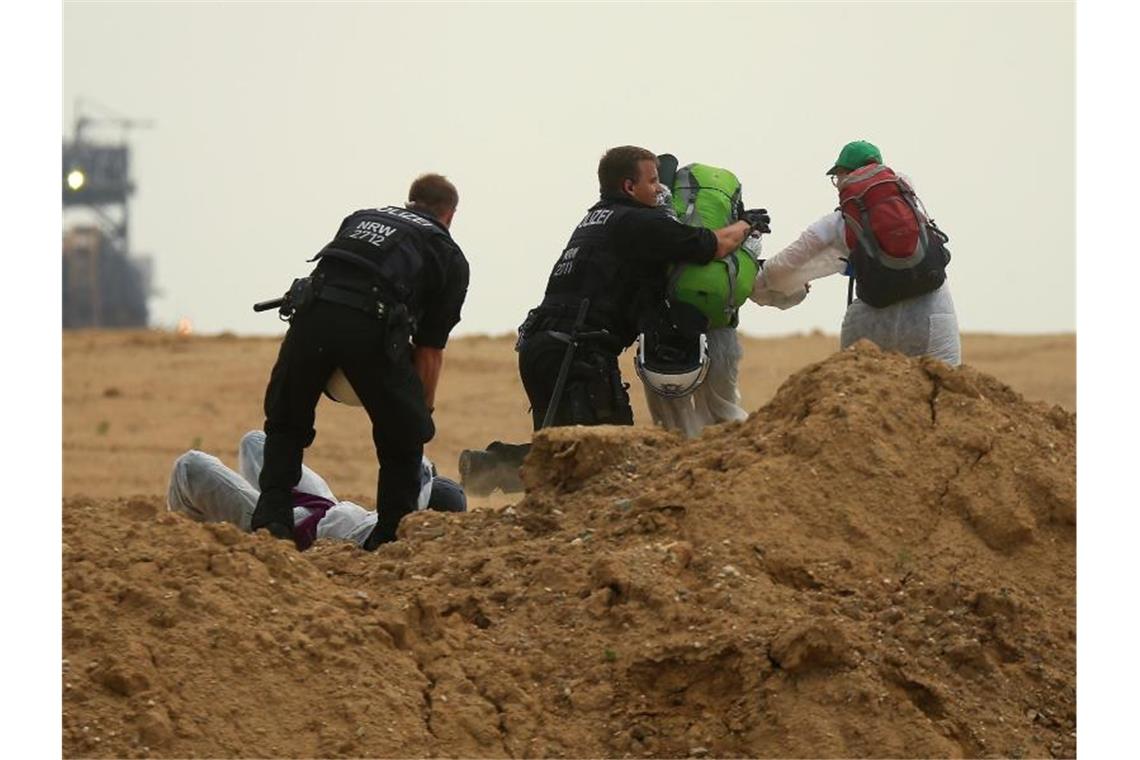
(339, 389)
(672, 369)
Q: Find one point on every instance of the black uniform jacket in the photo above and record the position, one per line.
(618, 256)
(414, 257)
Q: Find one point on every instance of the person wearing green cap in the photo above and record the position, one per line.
(854, 155)
(903, 298)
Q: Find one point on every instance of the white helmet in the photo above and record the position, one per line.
(340, 390)
(671, 370)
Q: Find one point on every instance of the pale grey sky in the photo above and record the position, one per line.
(275, 120)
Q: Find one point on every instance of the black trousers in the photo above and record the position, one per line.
(594, 393)
(376, 359)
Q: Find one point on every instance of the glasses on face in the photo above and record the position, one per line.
(835, 180)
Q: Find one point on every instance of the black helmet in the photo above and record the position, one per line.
(447, 496)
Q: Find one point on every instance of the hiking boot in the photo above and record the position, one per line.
(509, 453)
(481, 472)
(472, 472)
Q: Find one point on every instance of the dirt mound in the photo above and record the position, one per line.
(880, 562)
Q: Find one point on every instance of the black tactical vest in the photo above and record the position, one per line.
(591, 266)
(387, 245)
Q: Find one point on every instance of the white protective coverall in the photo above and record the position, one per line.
(204, 489)
(717, 399)
(925, 325)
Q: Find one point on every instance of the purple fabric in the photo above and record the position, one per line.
(305, 532)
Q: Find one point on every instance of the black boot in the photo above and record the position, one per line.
(279, 530)
(270, 515)
(482, 471)
(376, 537)
(512, 454)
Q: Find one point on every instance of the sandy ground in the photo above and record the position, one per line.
(879, 562)
(133, 401)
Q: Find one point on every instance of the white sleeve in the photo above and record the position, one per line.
(766, 297)
(204, 489)
(346, 521)
(818, 251)
(426, 470)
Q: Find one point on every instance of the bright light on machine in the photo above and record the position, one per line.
(75, 179)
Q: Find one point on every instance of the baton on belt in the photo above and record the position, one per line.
(267, 305)
(567, 359)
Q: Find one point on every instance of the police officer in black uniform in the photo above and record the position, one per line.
(380, 305)
(618, 258)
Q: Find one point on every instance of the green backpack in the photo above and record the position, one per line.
(705, 196)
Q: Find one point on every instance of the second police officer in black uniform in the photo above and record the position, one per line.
(617, 258)
(380, 305)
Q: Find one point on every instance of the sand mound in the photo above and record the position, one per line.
(880, 562)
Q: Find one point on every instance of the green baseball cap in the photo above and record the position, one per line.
(856, 154)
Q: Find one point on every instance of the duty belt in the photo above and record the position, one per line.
(602, 340)
(369, 303)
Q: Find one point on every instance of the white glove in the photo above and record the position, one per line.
(763, 296)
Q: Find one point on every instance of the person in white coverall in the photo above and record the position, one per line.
(924, 325)
(205, 490)
(717, 399)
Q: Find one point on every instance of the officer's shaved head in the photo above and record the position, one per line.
(620, 164)
(433, 193)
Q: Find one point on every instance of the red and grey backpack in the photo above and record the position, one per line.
(897, 251)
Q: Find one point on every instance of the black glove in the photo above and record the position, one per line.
(758, 219)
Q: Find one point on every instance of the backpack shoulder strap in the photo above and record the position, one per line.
(733, 265)
(861, 229)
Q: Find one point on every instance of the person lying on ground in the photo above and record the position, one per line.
(204, 489)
